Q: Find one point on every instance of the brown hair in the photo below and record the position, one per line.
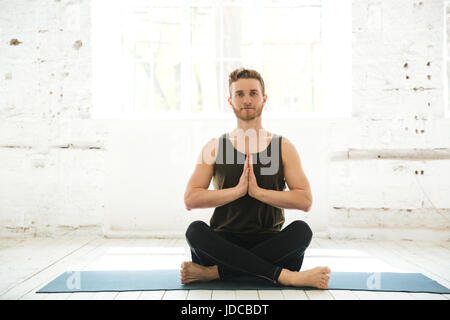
(243, 73)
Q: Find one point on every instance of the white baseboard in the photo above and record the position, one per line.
(330, 233)
(386, 234)
(124, 234)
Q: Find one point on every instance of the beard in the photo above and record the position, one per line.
(247, 115)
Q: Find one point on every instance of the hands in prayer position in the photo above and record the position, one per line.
(247, 182)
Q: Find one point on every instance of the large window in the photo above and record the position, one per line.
(174, 57)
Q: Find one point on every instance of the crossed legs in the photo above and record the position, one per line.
(276, 258)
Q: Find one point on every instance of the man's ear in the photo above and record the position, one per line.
(264, 100)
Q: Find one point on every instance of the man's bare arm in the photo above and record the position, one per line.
(203, 198)
(291, 199)
(299, 194)
(197, 194)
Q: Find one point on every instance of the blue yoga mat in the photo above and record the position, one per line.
(148, 280)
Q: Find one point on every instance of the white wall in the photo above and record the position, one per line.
(51, 153)
(60, 170)
(398, 126)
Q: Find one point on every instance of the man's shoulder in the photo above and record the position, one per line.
(212, 146)
(213, 142)
(288, 149)
(285, 142)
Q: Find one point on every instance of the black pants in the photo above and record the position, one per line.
(261, 255)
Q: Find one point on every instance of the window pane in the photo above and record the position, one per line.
(153, 32)
(277, 52)
(291, 25)
(204, 33)
(302, 78)
(166, 86)
(167, 22)
(143, 49)
(288, 87)
(232, 31)
(142, 88)
(276, 79)
(204, 87)
(241, 32)
(290, 77)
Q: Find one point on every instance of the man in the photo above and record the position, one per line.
(249, 167)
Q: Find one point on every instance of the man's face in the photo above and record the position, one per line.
(246, 99)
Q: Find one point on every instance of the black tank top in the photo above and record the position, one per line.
(246, 214)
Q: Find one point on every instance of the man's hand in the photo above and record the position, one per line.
(253, 187)
(242, 186)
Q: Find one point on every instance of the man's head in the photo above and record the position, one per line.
(247, 93)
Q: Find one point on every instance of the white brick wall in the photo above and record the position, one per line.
(52, 155)
(399, 124)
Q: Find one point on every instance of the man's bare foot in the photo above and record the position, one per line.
(316, 277)
(191, 272)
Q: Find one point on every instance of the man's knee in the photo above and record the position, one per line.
(195, 228)
(303, 230)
